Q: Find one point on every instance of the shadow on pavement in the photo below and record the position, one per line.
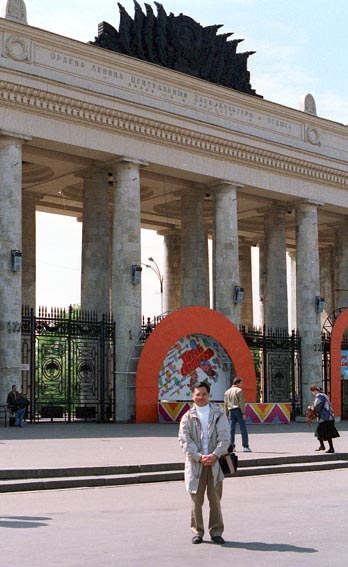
(22, 522)
(262, 546)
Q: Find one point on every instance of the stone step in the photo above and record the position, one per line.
(82, 477)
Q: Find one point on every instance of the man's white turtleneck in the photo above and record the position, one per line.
(203, 416)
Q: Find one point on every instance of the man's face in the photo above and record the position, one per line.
(200, 396)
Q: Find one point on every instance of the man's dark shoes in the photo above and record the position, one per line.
(197, 539)
(330, 451)
(218, 539)
(321, 448)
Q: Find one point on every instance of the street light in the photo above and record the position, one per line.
(157, 271)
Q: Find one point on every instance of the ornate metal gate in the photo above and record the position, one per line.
(277, 358)
(68, 365)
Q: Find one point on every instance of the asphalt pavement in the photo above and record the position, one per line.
(292, 520)
(283, 520)
(44, 445)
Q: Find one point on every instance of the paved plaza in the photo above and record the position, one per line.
(46, 445)
(272, 519)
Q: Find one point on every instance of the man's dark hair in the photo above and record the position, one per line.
(201, 385)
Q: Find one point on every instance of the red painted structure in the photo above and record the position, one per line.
(341, 324)
(187, 321)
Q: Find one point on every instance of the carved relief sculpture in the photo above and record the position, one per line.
(13, 10)
(179, 43)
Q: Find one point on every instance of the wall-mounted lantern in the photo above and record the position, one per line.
(238, 294)
(319, 304)
(16, 260)
(136, 274)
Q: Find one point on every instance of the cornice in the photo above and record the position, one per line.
(154, 131)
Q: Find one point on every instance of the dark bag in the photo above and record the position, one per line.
(229, 462)
(12, 421)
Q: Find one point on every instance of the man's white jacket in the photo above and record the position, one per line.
(190, 439)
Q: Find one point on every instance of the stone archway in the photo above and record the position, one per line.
(186, 321)
(341, 324)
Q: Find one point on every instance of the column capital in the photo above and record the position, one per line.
(124, 160)
(245, 242)
(308, 203)
(93, 171)
(275, 206)
(169, 231)
(8, 134)
(29, 195)
(224, 184)
(340, 226)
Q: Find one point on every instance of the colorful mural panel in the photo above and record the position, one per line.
(268, 413)
(172, 412)
(344, 364)
(192, 359)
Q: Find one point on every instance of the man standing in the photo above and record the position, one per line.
(204, 437)
(235, 410)
(12, 398)
(22, 404)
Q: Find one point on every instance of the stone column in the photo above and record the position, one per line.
(327, 281)
(29, 250)
(10, 281)
(171, 270)
(194, 261)
(261, 283)
(293, 317)
(95, 276)
(275, 293)
(341, 266)
(246, 312)
(126, 293)
(207, 276)
(308, 287)
(225, 251)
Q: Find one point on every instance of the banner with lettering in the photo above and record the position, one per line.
(194, 358)
(344, 364)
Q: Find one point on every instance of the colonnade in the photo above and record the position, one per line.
(111, 250)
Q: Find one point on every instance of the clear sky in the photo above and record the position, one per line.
(301, 47)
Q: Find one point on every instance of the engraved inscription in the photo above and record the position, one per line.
(66, 60)
(151, 88)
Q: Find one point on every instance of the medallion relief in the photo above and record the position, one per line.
(312, 135)
(17, 48)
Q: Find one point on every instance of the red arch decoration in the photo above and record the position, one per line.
(187, 321)
(341, 324)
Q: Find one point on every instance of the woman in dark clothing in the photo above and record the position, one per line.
(326, 430)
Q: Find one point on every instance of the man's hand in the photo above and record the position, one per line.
(208, 460)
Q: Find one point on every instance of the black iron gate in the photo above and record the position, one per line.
(277, 359)
(68, 365)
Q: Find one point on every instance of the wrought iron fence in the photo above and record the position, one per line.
(68, 359)
(277, 358)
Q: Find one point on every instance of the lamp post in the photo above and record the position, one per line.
(157, 271)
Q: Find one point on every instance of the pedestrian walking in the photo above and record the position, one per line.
(204, 437)
(326, 430)
(235, 410)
